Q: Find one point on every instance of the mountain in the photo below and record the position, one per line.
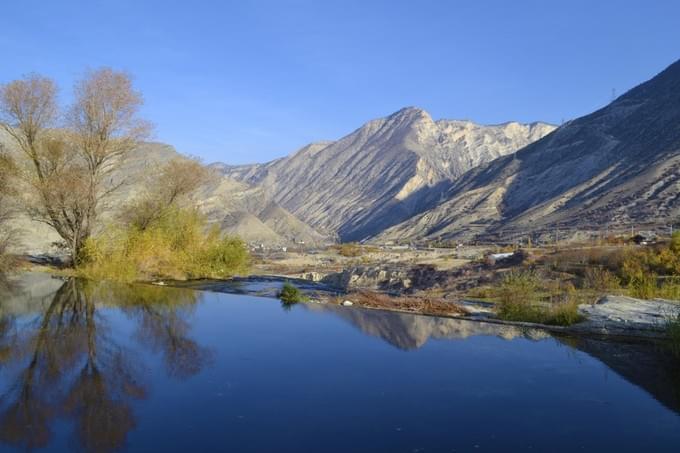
(617, 166)
(378, 175)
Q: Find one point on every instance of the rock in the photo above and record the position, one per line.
(312, 276)
(347, 303)
(369, 277)
(621, 315)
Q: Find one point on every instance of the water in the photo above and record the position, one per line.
(141, 368)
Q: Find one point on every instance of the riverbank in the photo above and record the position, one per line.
(611, 315)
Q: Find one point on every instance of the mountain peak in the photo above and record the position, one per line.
(410, 113)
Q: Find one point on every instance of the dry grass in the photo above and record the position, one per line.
(424, 305)
(353, 249)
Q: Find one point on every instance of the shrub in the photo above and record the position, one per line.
(290, 294)
(519, 294)
(518, 286)
(563, 314)
(600, 279)
(175, 246)
(517, 297)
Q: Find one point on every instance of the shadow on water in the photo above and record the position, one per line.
(70, 364)
(647, 364)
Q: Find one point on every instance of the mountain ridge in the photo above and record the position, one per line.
(617, 165)
(376, 176)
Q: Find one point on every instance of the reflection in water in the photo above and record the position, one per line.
(644, 363)
(407, 331)
(75, 359)
(71, 364)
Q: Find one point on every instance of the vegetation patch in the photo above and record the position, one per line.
(175, 245)
(425, 305)
(353, 249)
(520, 300)
(291, 294)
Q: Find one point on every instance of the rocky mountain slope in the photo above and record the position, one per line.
(617, 166)
(379, 174)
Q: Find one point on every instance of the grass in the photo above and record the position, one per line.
(520, 300)
(290, 294)
(673, 334)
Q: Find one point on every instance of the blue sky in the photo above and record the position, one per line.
(248, 81)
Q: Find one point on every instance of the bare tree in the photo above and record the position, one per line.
(6, 191)
(174, 185)
(70, 169)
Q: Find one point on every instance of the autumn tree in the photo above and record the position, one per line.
(173, 186)
(71, 169)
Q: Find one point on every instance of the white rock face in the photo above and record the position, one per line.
(377, 175)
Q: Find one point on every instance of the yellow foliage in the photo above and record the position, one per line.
(175, 246)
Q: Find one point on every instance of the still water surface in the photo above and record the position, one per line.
(140, 368)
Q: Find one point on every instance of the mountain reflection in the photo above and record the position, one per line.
(68, 364)
(643, 363)
(407, 331)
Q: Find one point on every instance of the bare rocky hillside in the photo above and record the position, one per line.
(617, 166)
(378, 175)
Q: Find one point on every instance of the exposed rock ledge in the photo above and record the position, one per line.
(621, 315)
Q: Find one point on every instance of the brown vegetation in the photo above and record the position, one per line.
(425, 305)
(353, 249)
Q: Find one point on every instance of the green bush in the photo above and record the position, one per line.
(290, 294)
(517, 297)
(519, 301)
(178, 245)
(518, 287)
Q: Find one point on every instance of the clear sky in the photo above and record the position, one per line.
(244, 81)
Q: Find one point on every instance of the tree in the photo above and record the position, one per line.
(6, 190)
(71, 170)
(175, 183)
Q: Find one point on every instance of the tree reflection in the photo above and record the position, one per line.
(162, 315)
(70, 365)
